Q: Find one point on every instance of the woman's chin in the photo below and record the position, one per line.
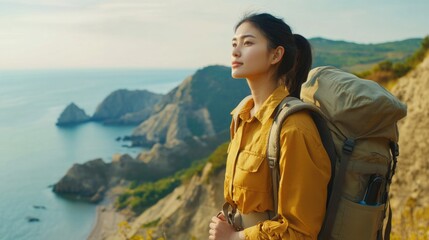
(237, 75)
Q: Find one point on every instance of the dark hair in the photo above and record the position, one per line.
(296, 62)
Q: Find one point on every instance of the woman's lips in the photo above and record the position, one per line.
(236, 64)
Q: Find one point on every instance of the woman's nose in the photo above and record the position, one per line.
(235, 52)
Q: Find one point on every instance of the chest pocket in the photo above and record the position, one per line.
(251, 171)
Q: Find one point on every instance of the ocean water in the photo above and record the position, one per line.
(34, 153)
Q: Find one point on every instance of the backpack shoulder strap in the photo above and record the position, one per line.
(287, 107)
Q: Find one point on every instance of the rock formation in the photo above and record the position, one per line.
(410, 188)
(90, 180)
(85, 181)
(72, 114)
(126, 107)
(198, 107)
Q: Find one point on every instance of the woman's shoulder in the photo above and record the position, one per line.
(300, 121)
(301, 126)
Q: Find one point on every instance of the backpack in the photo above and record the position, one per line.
(357, 122)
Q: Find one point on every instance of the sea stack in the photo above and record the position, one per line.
(71, 115)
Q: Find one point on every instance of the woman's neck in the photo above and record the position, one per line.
(261, 88)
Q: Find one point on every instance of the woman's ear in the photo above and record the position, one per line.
(277, 55)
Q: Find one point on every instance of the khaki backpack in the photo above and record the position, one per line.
(357, 122)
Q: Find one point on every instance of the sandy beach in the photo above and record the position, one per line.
(107, 218)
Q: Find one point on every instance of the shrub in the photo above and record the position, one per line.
(387, 72)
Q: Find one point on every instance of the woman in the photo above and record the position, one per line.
(275, 63)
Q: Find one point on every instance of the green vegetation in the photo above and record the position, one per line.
(355, 57)
(146, 194)
(218, 158)
(151, 224)
(386, 72)
(139, 197)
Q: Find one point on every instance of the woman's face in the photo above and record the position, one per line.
(250, 54)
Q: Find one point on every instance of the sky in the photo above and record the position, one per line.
(58, 34)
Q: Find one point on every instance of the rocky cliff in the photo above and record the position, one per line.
(78, 183)
(90, 180)
(72, 114)
(126, 107)
(410, 188)
(198, 107)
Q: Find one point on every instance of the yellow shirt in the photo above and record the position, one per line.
(304, 172)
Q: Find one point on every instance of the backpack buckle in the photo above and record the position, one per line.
(348, 146)
(233, 217)
(271, 162)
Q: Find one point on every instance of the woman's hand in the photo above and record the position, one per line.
(221, 230)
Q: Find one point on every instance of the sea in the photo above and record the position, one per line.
(35, 153)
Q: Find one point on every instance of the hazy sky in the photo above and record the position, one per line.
(180, 33)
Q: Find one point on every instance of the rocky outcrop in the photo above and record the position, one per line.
(71, 115)
(90, 180)
(126, 107)
(410, 188)
(198, 107)
(85, 181)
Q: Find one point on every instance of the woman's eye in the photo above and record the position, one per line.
(247, 43)
(234, 44)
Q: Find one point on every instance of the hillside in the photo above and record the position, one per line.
(356, 57)
(198, 107)
(185, 212)
(126, 107)
(410, 189)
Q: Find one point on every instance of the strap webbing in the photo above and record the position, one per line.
(388, 225)
(328, 144)
(331, 212)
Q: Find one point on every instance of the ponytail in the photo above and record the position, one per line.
(302, 66)
(296, 62)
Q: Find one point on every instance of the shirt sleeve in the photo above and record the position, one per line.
(304, 175)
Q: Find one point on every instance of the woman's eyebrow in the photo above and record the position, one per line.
(244, 36)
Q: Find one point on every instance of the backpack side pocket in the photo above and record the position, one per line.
(355, 221)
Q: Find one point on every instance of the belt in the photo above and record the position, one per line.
(253, 218)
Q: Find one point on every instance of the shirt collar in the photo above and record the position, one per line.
(271, 103)
(267, 108)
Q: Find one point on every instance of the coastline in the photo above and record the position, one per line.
(107, 218)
